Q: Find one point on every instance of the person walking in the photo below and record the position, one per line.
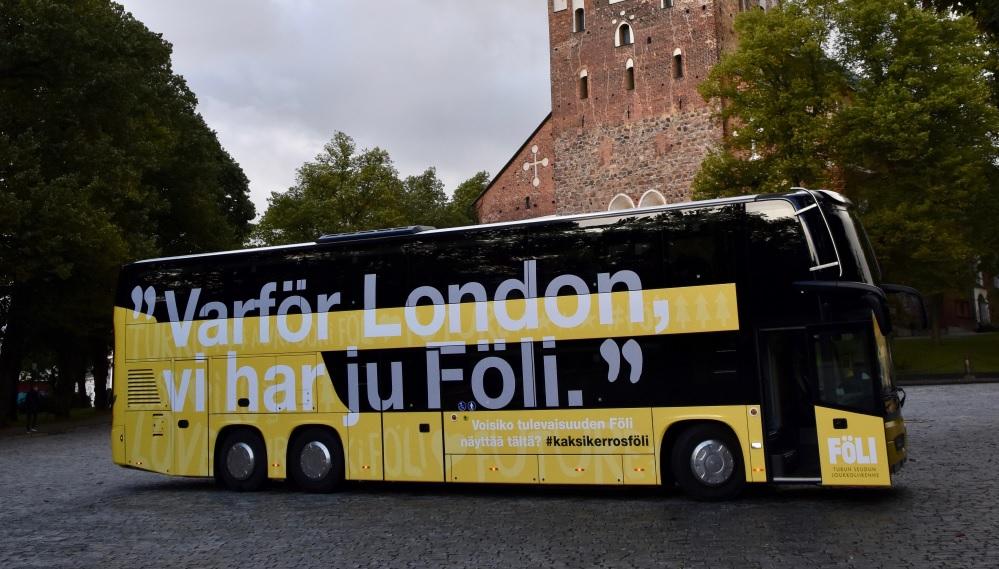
(31, 401)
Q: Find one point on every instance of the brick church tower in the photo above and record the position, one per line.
(628, 127)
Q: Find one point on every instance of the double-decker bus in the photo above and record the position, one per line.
(706, 345)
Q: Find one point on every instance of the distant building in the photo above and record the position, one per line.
(627, 126)
(972, 312)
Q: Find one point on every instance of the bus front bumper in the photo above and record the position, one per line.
(896, 441)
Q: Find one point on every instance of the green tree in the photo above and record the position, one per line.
(986, 15)
(344, 189)
(461, 209)
(341, 190)
(780, 92)
(886, 100)
(984, 12)
(105, 160)
(423, 199)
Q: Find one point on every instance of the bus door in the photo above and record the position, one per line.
(413, 446)
(823, 411)
(187, 391)
(849, 405)
(789, 405)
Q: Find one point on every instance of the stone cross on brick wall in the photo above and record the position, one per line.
(543, 162)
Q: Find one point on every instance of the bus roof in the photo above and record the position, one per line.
(419, 230)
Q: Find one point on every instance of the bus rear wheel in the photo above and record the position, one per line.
(315, 460)
(241, 461)
(707, 463)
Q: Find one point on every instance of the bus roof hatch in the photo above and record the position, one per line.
(373, 234)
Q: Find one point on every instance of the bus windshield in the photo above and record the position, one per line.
(858, 249)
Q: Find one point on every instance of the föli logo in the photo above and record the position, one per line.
(852, 450)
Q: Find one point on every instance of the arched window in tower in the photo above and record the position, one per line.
(620, 202)
(667, 3)
(624, 36)
(578, 16)
(629, 75)
(584, 85)
(651, 198)
(677, 64)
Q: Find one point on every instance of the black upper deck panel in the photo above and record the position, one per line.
(799, 199)
(701, 244)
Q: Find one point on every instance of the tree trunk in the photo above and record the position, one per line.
(936, 315)
(99, 356)
(72, 371)
(80, 390)
(11, 357)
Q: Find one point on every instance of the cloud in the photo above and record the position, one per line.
(454, 84)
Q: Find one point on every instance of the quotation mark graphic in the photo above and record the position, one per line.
(632, 354)
(143, 301)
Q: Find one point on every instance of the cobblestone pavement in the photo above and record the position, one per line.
(64, 504)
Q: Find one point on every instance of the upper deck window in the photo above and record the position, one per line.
(777, 241)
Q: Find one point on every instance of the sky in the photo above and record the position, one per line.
(454, 84)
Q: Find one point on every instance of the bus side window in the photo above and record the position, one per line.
(589, 247)
(384, 260)
(778, 256)
(699, 246)
(487, 257)
(778, 236)
(181, 280)
(687, 259)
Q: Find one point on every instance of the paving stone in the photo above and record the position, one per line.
(64, 504)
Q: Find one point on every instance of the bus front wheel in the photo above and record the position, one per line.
(315, 460)
(241, 461)
(707, 463)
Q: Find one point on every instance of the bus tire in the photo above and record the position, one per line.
(316, 460)
(707, 463)
(241, 462)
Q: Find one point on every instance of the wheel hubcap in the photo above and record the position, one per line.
(240, 461)
(712, 462)
(316, 460)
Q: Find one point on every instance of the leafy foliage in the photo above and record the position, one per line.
(780, 91)
(880, 98)
(461, 209)
(345, 189)
(984, 12)
(105, 160)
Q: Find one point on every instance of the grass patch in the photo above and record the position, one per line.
(924, 355)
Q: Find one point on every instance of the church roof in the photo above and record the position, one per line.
(514, 157)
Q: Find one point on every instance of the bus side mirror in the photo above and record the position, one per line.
(879, 306)
(909, 300)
